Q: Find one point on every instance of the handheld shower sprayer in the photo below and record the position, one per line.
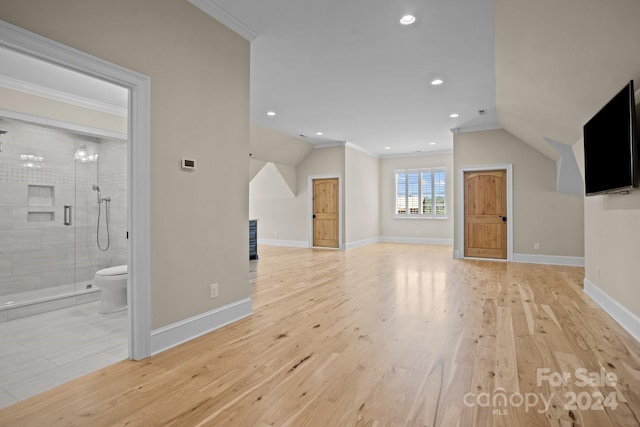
(96, 188)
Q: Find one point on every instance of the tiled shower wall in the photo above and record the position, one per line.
(36, 249)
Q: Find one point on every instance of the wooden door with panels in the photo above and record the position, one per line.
(325, 212)
(485, 214)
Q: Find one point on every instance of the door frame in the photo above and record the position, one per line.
(139, 127)
(310, 179)
(459, 200)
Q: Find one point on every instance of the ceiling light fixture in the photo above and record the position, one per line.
(432, 143)
(271, 113)
(407, 19)
(454, 115)
(437, 82)
(387, 148)
(319, 133)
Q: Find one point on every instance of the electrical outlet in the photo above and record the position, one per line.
(275, 233)
(213, 291)
(536, 246)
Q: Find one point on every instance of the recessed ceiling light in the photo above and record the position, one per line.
(318, 133)
(454, 115)
(432, 143)
(271, 113)
(437, 82)
(387, 148)
(407, 19)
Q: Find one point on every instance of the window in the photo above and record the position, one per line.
(421, 193)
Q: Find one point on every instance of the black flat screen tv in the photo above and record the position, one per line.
(611, 146)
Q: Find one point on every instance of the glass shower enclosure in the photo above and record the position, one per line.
(49, 212)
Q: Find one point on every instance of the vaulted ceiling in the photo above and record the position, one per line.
(351, 71)
(559, 62)
(540, 69)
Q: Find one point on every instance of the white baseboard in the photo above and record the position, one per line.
(277, 242)
(363, 242)
(549, 259)
(620, 314)
(185, 330)
(456, 254)
(417, 240)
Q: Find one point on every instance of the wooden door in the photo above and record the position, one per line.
(485, 214)
(325, 212)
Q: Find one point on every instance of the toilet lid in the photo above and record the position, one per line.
(113, 271)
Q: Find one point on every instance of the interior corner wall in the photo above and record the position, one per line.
(199, 71)
(285, 221)
(541, 215)
(361, 200)
(414, 229)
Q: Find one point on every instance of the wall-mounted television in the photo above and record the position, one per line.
(611, 146)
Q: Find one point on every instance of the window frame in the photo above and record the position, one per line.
(420, 171)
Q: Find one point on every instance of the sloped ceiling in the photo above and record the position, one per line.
(350, 70)
(559, 62)
(271, 146)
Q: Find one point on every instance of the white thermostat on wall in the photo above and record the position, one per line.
(188, 164)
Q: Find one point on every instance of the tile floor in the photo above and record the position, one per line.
(42, 351)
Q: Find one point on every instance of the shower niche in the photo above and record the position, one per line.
(41, 203)
(49, 211)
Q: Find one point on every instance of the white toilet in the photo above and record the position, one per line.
(113, 283)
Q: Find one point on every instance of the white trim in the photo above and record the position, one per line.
(620, 314)
(56, 95)
(479, 128)
(459, 204)
(417, 154)
(139, 288)
(288, 243)
(73, 127)
(224, 17)
(363, 242)
(185, 330)
(362, 149)
(549, 259)
(417, 240)
(456, 254)
(329, 144)
(310, 179)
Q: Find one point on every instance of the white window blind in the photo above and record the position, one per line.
(421, 193)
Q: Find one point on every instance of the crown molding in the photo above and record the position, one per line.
(329, 144)
(420, 154)
(219, 14)
(479, 128)
(364, 150)
(56, 95)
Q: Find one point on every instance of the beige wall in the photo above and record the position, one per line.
(612, 241)
(199, 74)
(440, 229)
(45, 107)
(287, 218)
(541, 215)
(362, 188)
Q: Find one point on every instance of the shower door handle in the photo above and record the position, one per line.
(67, 214)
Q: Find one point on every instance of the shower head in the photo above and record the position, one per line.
(2, 132)
(96, 187)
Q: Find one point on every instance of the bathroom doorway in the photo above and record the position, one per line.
(47, 204)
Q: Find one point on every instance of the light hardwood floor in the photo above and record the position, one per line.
(385, 335)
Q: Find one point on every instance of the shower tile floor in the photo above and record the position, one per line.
(42, 351)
